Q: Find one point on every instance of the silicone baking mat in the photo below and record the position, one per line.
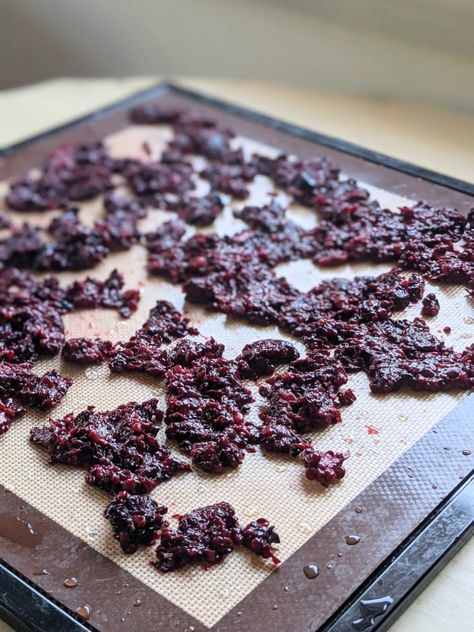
(378, 430)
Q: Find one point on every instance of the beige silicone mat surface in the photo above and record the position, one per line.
(376, 429)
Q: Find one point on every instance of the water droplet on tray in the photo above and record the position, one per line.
(70, 582)
(84, 612)
(305, 527)
(466, 452)
(403, 417)
(352, 539)
(311, 571)
(281, 468)
(469, 321)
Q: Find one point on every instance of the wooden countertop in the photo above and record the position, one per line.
(436, 139)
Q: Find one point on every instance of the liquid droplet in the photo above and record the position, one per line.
(403, 417)
(286, 588)
(224, 593)
(330, 565)
(311, 571)
(280, 468)
(71, 582)
(352, 539)
(137, 603)
(466, 452)
(201, 489)
(90, 532)
(84, 612)
(250, 511)
(305, 527)
(469, 321)
(41, 572)
(358, 509)
(92, 373)
(275, 607)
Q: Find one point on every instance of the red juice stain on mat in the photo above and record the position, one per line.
(372, 431)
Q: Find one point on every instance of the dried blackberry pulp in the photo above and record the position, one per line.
(70, 172)
(430, 305)
(207, 535)
(92, 293)
(205, 413)
(119, 229)
(119, 447)
(142, 352)
(135, 520)
(20, 388)
(324, 467)
(9, 411)
(260, 357)
(400, 353)
(360, 299)
(259, 537)
(29, 329)
(86, 350)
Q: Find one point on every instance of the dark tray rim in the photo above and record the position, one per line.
(295, 130)
(26, 607)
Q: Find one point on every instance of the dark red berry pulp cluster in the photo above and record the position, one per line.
(345, 325)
